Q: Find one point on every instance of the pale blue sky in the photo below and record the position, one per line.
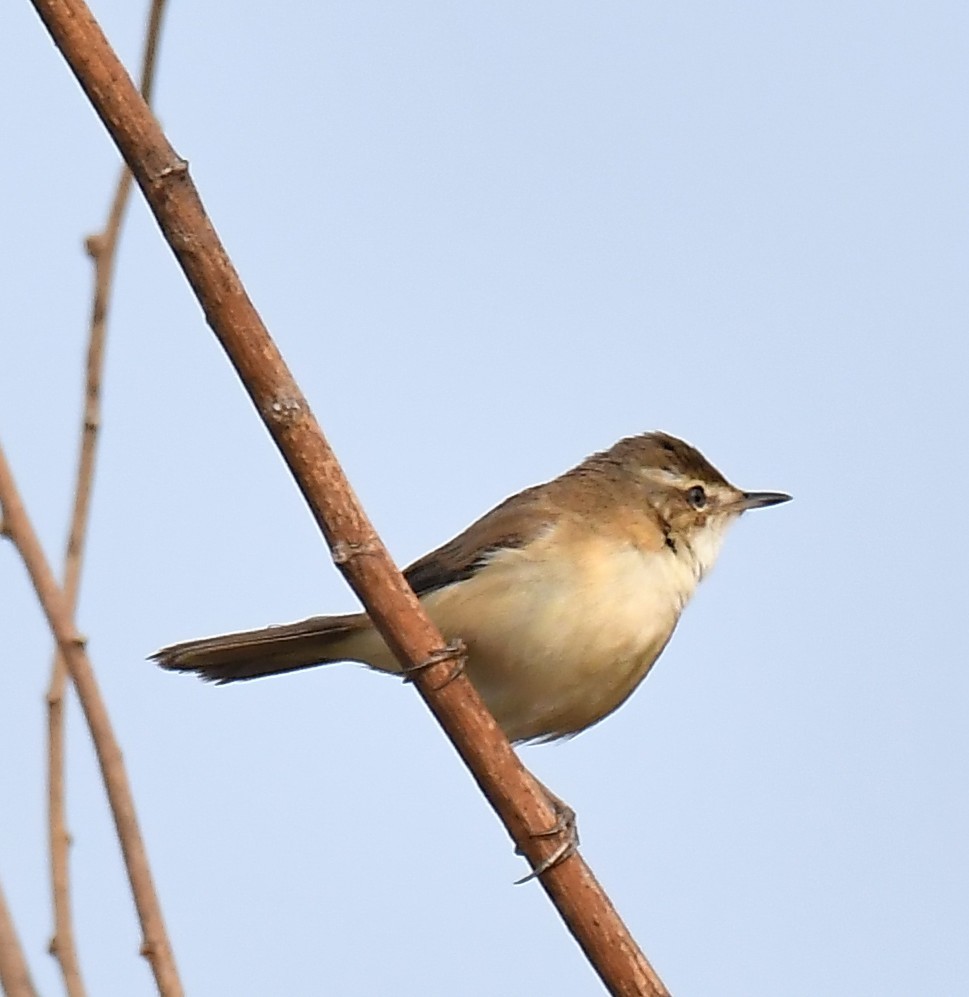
(489, 240)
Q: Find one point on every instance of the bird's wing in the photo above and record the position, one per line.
(514, 523)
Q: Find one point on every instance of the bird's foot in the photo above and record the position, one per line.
(456, 652)
(565, 826)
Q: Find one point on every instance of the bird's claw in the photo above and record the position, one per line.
(456, 652)
(565, 825)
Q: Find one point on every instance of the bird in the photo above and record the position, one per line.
(564, 595)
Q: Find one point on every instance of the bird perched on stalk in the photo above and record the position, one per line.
(564, 594)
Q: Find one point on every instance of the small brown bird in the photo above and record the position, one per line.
(565, 594)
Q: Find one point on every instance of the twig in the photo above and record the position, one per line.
(14, 975)
(515, 795)
(156, 947)
(101, 248)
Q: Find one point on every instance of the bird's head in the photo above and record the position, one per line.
(694, 501)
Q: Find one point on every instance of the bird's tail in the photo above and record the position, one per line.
(273, 650)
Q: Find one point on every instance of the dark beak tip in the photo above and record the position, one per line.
(761, 500)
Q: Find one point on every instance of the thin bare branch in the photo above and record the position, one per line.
(512, 791)
(14, 975)
(62, 946)
(156, 947)
(102, 249)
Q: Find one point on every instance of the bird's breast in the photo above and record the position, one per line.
(561, 631)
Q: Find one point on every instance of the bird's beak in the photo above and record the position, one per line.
(760, 500)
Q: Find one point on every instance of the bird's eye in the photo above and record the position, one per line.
(697, 497)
